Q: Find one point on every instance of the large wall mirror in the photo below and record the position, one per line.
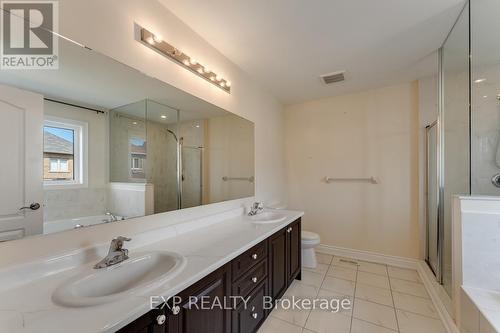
(99, 142)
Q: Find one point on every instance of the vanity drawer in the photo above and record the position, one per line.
(248, 319)
(244, 285)
(249, 259)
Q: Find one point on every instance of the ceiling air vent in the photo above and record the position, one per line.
(333, 77)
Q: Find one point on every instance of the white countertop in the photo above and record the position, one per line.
(26, 303)
(488, 304)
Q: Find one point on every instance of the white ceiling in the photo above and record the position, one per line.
(287, 44)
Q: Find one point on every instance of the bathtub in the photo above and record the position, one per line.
(75, 223)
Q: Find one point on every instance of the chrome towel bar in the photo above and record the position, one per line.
(371, 180)
(248, 179)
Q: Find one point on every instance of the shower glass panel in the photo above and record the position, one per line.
(127, 136)
(455, 120)
(485, 93)
(144, 140)
(216, 165)
(432, 255)
(161, 170)
(193, 135)
(192, 168)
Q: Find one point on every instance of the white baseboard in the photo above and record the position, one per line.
(419, 265)
(428, 279)
(368, 256)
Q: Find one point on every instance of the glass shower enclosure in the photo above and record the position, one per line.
(144, 141)
(463, 152)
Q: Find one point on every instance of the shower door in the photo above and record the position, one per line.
(192, 169)
(432, 250)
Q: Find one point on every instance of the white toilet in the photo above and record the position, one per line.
(309, 241)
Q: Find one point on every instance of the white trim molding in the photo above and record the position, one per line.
(368, 256)
(442, 302)
(420, 266)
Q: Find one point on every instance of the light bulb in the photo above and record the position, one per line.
(212, 78)
(218, 77)
(150, 40)
(228, 83)
(157, 38)
(222, 84)
(186, 62)
(207, 70)
(193, 61)
(200, 70)
(134, 123)
(163, 116)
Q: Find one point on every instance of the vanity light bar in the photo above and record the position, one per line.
(156, 43)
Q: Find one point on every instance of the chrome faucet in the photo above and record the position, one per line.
(111, 218)
(116, 253)
(257, 208)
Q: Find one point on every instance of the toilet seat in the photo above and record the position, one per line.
(309, 236)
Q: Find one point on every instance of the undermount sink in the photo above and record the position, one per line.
(141, 272)
(268, 217)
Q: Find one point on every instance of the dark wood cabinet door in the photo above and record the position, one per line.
(148, 323)
(278, 275)
(193, 318)
(294, 260)
(249, 316)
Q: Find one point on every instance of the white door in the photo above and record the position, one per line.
(21, 170)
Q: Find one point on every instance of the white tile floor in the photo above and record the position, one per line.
(386, 300)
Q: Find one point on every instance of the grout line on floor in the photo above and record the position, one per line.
(395, 278)
(353, 299)
(287, 322)
(402, 292)
(393, 303)
(375, 324)
(317, 294)
(419, 314)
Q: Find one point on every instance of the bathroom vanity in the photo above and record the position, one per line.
(267, 269)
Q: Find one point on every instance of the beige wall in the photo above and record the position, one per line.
(229, 142)
(372, 133)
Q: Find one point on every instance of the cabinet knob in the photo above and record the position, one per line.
(176, 309)
(255, 315)
(161, 319)
(289, 230)
(254, 256)
(254, 279)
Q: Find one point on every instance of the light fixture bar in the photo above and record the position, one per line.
(156, 43)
